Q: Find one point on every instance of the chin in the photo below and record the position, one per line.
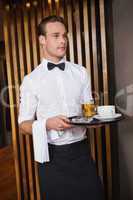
(61, 55)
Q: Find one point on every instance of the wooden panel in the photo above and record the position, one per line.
(20, 44)
(16, 75)
(44, 8)
(35, 47)
(86, 21)
(57, 7)
(77, 21)
(61, 8)
(33, 21)
(7, 171)
(12, 111)
(39, 17)
(70, 31)
(3, 84)
(94, 47)
(106, 96)
(96, 84)
(53, 7)
(94, 59)
(49, 6)
(27, 41)
(29, 152)
(15, 58)
(22, 71)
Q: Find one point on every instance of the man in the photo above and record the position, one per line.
(53, 92)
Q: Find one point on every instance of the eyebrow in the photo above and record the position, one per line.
(56, 33)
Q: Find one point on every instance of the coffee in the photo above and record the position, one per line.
(106, 111)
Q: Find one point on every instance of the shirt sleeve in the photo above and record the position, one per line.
(27, 111)
(86, 95)
(28, 101)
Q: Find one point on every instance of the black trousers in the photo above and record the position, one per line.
(70, 174)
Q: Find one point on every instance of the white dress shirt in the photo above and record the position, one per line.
(47, 93)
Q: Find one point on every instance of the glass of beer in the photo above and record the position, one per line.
(89, 109)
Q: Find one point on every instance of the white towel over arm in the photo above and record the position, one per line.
(40, 143)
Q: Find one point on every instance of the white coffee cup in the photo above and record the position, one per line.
(106, 111)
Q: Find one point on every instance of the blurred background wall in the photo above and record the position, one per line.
(122, 73)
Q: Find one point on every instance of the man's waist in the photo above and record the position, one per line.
(67, 141)
(68, 145)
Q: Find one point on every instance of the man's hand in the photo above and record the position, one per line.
(58, 123)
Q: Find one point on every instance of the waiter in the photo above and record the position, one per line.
(50, 94)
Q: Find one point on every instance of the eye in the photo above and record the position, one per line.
(56, 36)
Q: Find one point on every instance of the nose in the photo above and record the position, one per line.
(63, 39)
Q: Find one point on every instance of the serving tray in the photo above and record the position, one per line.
(80, 120)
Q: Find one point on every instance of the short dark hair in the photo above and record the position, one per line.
(41, 29)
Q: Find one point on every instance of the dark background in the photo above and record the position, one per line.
(120, 56)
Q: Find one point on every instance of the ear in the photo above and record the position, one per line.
(42, 40)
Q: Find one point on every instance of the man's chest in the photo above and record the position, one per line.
(59, 88)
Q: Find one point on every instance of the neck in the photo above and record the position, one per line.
(52, 58)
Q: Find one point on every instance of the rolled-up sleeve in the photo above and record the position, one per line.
(28, 101)
(27, 111)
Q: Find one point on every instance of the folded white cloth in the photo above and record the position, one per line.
(40, 143)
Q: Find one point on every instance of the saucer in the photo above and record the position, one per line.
(117, 115)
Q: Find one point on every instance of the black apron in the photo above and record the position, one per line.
(70, 174)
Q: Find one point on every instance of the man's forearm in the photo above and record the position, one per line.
(26, 127)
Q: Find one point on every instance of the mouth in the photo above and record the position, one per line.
(62, 48)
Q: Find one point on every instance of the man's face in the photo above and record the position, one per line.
(55, 41)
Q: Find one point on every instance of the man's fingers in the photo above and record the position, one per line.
(63, 124)
(64, 118)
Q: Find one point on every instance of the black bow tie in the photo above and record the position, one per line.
(52, 66)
